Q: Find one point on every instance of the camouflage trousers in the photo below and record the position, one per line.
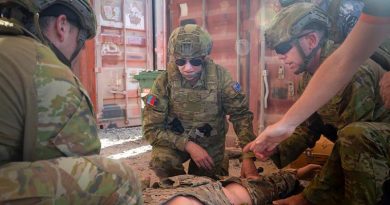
(69, 180)
(357, 167)
(168, 162)
(210, 192)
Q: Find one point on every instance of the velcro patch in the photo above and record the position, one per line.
(151, 100)
(237, 87)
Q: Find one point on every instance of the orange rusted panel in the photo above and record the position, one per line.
(84, 68)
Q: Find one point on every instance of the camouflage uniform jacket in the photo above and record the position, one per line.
(45, 112)
(214, 96)
(359, 101)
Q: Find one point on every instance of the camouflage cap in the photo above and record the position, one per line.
(292, 20)
(189, 41)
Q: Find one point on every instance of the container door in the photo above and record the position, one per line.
(121, 50)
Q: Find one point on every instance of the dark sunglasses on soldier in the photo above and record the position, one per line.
(283, 48)
(193, 61)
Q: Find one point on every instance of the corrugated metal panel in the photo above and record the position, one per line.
(122, 48)
(84, 68)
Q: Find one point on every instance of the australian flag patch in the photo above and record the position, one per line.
(236, 87)
(151, 100)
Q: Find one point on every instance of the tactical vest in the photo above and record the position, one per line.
(11, 27)
(193, 107)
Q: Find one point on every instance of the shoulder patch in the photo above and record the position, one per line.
(151, 100)
(236, 87)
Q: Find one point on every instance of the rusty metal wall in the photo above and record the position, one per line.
(84, 68)
(122, 45)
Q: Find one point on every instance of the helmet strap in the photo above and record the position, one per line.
(59, 54)
(80, 43)
(306, 58)
(77, 50)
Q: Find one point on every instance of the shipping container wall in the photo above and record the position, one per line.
(122, 45)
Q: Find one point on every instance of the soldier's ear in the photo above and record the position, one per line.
(313, 39)
(61, 27)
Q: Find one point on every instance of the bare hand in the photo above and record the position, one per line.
(385, 89)
(265, 144)
(298, 199)
(308, 171)
(200, 156)
(248, 169)
(262, 157)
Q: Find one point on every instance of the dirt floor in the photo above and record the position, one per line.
(127, 144)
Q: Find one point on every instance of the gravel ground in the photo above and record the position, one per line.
(123, 142)
(127, 144)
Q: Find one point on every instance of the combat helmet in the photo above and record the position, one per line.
(85, 18)
(285, 3)
(290, 24)
(189, 41)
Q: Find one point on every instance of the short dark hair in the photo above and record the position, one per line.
(59, 9)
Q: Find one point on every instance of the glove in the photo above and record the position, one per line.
(318, 128)
(330, 132)
(200, 132)
(205, 129)
(176, 126)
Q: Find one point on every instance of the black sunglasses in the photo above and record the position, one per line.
(283, 48)
(193, 61)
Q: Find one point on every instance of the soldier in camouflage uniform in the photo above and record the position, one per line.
(184, 189)
(185, 113)
(47, 123)
(359, 163)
